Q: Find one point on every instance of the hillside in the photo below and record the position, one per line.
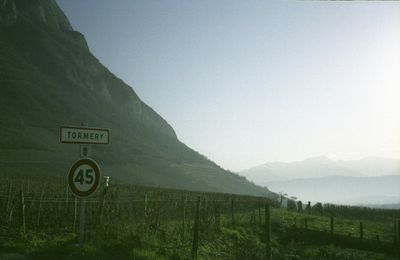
(49, 78)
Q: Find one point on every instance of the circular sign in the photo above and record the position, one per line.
(84, 177)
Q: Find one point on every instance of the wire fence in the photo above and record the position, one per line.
(39, 207)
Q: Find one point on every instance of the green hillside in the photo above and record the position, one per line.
(49, 78)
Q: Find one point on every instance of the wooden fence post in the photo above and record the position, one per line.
(305, 224)
(9, 197)
(217, 221)
(195, 244)
(398, 231)
(398, 234)
(66, 200)
(145, 210)
(75, 213)
(361, 231)
(204, 211)
(398, 239)
(40, 206)
(183, 216)
(102, 205)
(253, 217)
(268, 252)
(23, 211)
(232, 213)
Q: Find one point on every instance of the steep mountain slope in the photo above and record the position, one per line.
(49, 78)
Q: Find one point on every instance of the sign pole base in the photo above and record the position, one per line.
(82, 221)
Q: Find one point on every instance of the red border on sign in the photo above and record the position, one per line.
(96, 169)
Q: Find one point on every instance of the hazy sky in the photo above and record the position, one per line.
(246, 82)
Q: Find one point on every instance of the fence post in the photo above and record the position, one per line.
(253, 217)
(232, 213)
(217, 215)
(102, 205)
(398, 233)
(398, 238)
(259, 214)
(305, 224)
(9, 197)
(183, 216)
(195, 244)
(40, 206)
(75, 212)
(82, 221)
(23, 211)
(145, 210)
(361, 231)
(308, 207)
(204, 211)
(268, 252)
(66, 201)
(332, 226)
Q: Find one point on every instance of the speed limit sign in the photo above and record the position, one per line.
(84, 177)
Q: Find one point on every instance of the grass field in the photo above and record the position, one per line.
(41, 220)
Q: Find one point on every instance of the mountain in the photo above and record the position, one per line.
(343, 189)
(369, 181)
(49, 78)
(321, 167)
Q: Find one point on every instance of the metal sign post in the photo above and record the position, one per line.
(84, 176)
(82, 221)
(83, 180)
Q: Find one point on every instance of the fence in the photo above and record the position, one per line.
(34, 206)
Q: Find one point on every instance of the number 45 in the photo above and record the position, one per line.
(88, 178)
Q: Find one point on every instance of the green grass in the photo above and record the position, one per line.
(125, 232)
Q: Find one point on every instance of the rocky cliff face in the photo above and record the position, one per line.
(41, 31)
(40, 11)
(49, 78)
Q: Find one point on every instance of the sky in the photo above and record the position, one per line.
(249, 82)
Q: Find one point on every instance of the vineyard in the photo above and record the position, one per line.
(40, 219)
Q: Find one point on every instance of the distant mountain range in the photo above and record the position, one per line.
(49, 78)
(321, 167)
(369, 181)
(343, 189)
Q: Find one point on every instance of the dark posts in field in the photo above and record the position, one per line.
(305, 223)
(268, 251)
(183, 216)
(398, 232)
(23, 211)
(232, 212)
(195, 244)
(398, 239)
(299, 206)
(188, 216)
(361, 232)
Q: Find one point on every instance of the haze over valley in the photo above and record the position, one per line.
(370, 181)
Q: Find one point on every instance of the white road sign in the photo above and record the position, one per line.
(84, 177)
(84, 135)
